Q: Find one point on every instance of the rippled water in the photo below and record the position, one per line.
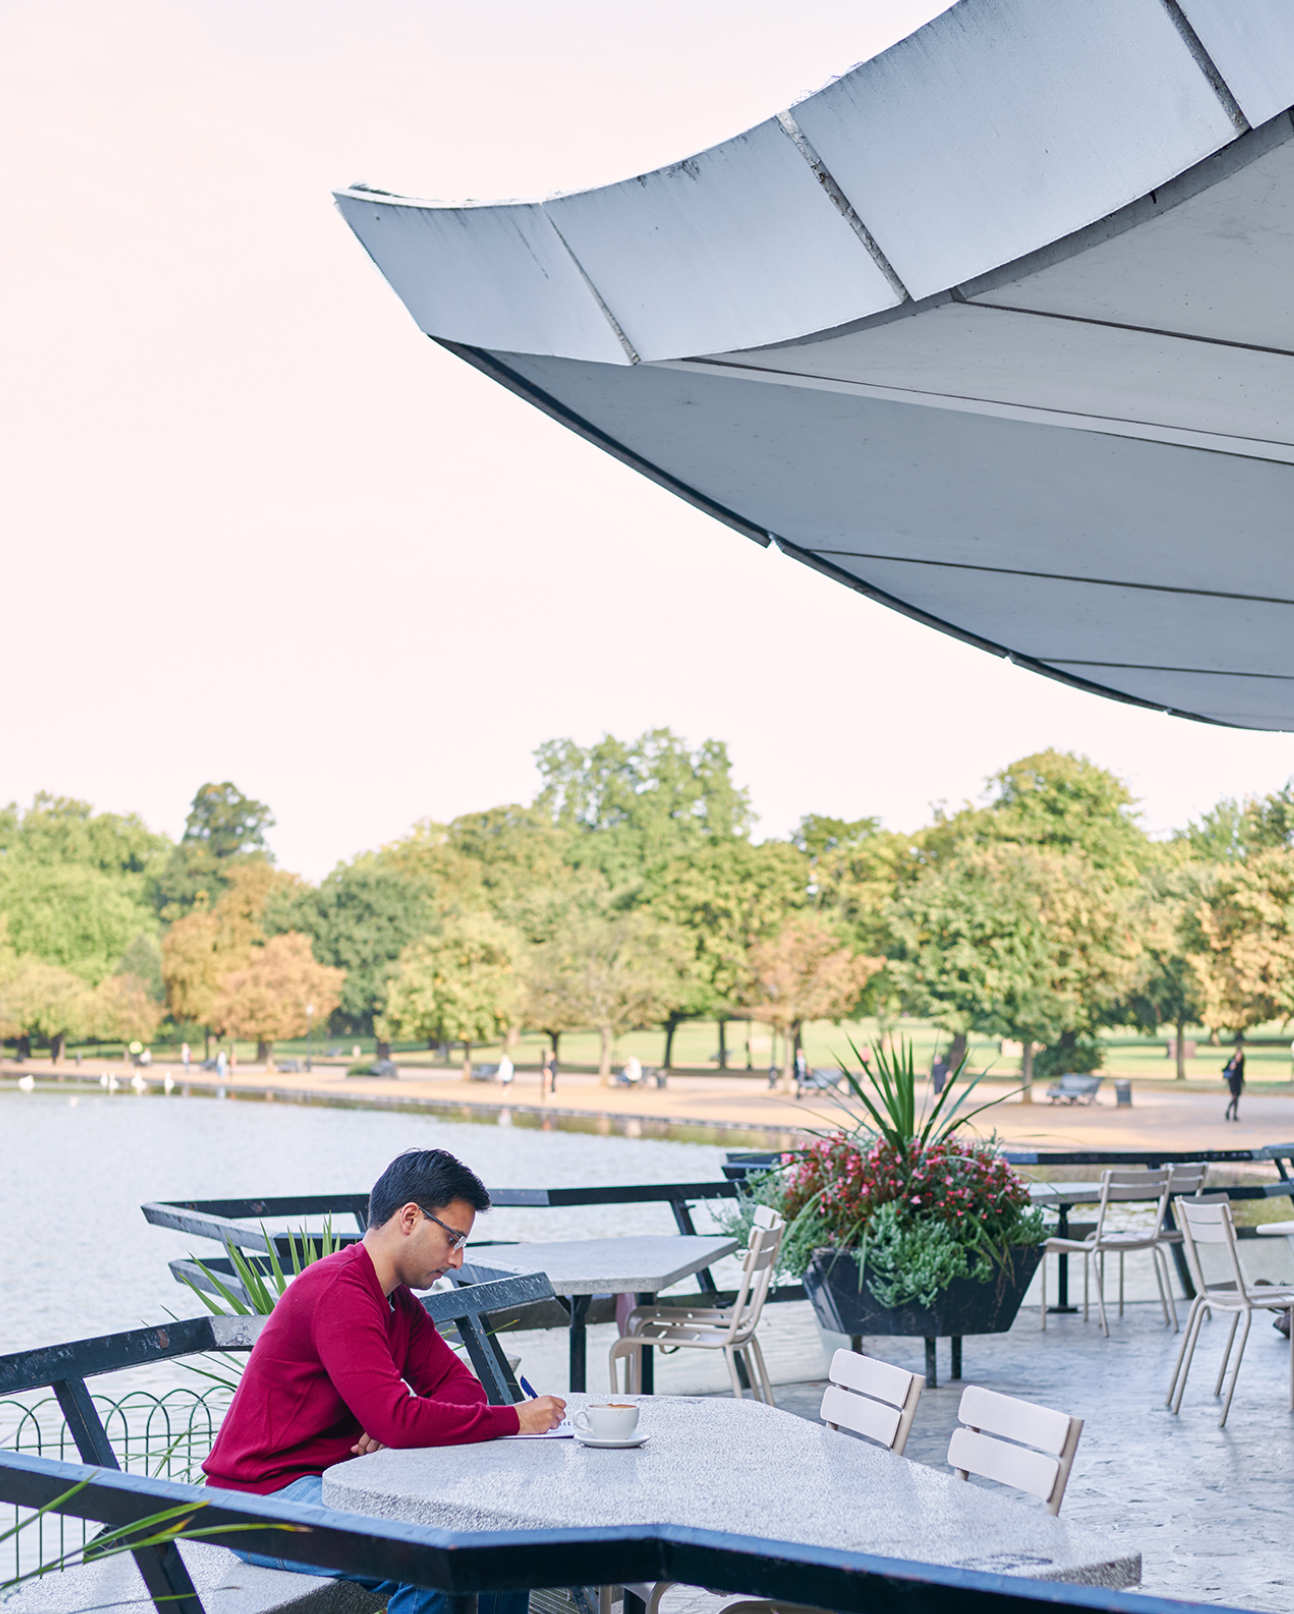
(78, 1259)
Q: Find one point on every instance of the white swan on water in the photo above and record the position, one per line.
(26, 1084)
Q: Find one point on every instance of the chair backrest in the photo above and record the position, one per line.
(1134, 1184)
(1206, 1223)
(1016, 1443)
(870, 1398)
(1188, 1179)
(756, 1271)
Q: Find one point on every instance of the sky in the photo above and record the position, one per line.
(256, 527)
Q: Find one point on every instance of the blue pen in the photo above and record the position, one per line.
(528, 1388)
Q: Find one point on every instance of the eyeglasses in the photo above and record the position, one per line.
(457, 1238)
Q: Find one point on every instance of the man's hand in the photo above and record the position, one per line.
(537, 1417)
(364, 1445)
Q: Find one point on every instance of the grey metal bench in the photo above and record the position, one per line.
(1074, 1089)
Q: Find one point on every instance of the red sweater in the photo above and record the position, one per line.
(335, 1360)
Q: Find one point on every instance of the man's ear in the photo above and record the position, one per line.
(408, 1217)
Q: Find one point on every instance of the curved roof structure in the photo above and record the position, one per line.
(997, 328)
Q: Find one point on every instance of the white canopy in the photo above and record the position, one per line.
(998, 329)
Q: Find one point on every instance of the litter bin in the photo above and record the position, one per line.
(1123, 1093)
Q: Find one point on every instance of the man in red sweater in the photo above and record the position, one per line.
(332, 1373)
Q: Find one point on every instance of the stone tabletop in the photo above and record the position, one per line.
(641, 1265)
(730, 1465)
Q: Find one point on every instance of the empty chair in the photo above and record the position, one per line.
(1016, 1443)
(867, 1397)
(730, 1329)
(1207, 1225)
(871, 1398)
(1120, 1186)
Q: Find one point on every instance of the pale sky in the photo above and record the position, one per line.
(257, 527)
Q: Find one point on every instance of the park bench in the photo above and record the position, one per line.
(823, 1079)
(1074, 1089)
(196, 1577)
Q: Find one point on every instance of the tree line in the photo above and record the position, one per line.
(631, 892)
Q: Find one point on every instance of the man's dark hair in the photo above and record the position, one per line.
(430, 1178)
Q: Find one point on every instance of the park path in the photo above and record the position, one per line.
(1168, 1117)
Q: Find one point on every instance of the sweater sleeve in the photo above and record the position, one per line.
(352, 1345)
(433, 1367)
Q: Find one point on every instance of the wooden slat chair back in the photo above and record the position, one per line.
(871, 1398)
(1016, 1443)
(1208, 1230)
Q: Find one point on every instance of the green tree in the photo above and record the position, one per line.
(71, 915)
(122, 1009)
(458, 984)
(58, 830)
(359, 919)
(611, 970)
(631, 805)
(223, 829)
(724, 898)
(1167, 989)
(1235, 829)
(1014, 941)
(806, 973)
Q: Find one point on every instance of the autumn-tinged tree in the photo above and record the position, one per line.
(45, 1001)
(805, 973)
(122, 1009)
(458, 984)
(1239, 939)
(224, 828)
(277, 993)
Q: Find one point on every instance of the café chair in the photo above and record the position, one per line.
(1015, 1443)
(1119, 1185)
(730, 1329)
(865, 1396)
(1207, 1225)
(871, 1398)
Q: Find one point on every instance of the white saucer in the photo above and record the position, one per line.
(592, 1440)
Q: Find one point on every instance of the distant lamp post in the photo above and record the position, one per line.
(310, 1026)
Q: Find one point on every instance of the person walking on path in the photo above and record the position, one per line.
(506, 1071)
(548, 1075)
(1234, 1074)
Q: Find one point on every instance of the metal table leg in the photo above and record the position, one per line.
(578, 1308)
(647, 1355)
(1062, 1267)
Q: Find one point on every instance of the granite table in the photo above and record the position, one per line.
(719, 1464)
(578, 1269)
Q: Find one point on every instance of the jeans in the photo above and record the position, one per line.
(400, 1599)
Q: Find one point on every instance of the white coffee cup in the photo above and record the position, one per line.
(615, 1420)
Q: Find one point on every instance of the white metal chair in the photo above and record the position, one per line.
(1207, 1224)
(867, 1397)
(1119, 1186)
(1016, 1443)
(730, 1329)
(871, 1398)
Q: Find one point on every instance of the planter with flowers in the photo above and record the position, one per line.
(898, 1220)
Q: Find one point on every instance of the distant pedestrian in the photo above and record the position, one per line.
(506, 1071)
(548, 1075)
(801, 1071)
(1233, 1073)
(222, 1063)
(186, 1054)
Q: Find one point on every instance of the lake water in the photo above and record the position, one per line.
(78, 1258)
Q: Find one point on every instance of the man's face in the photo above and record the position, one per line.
(431, 1250)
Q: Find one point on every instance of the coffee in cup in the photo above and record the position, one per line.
(608, 1420)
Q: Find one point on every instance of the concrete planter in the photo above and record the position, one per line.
(966, 1306)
